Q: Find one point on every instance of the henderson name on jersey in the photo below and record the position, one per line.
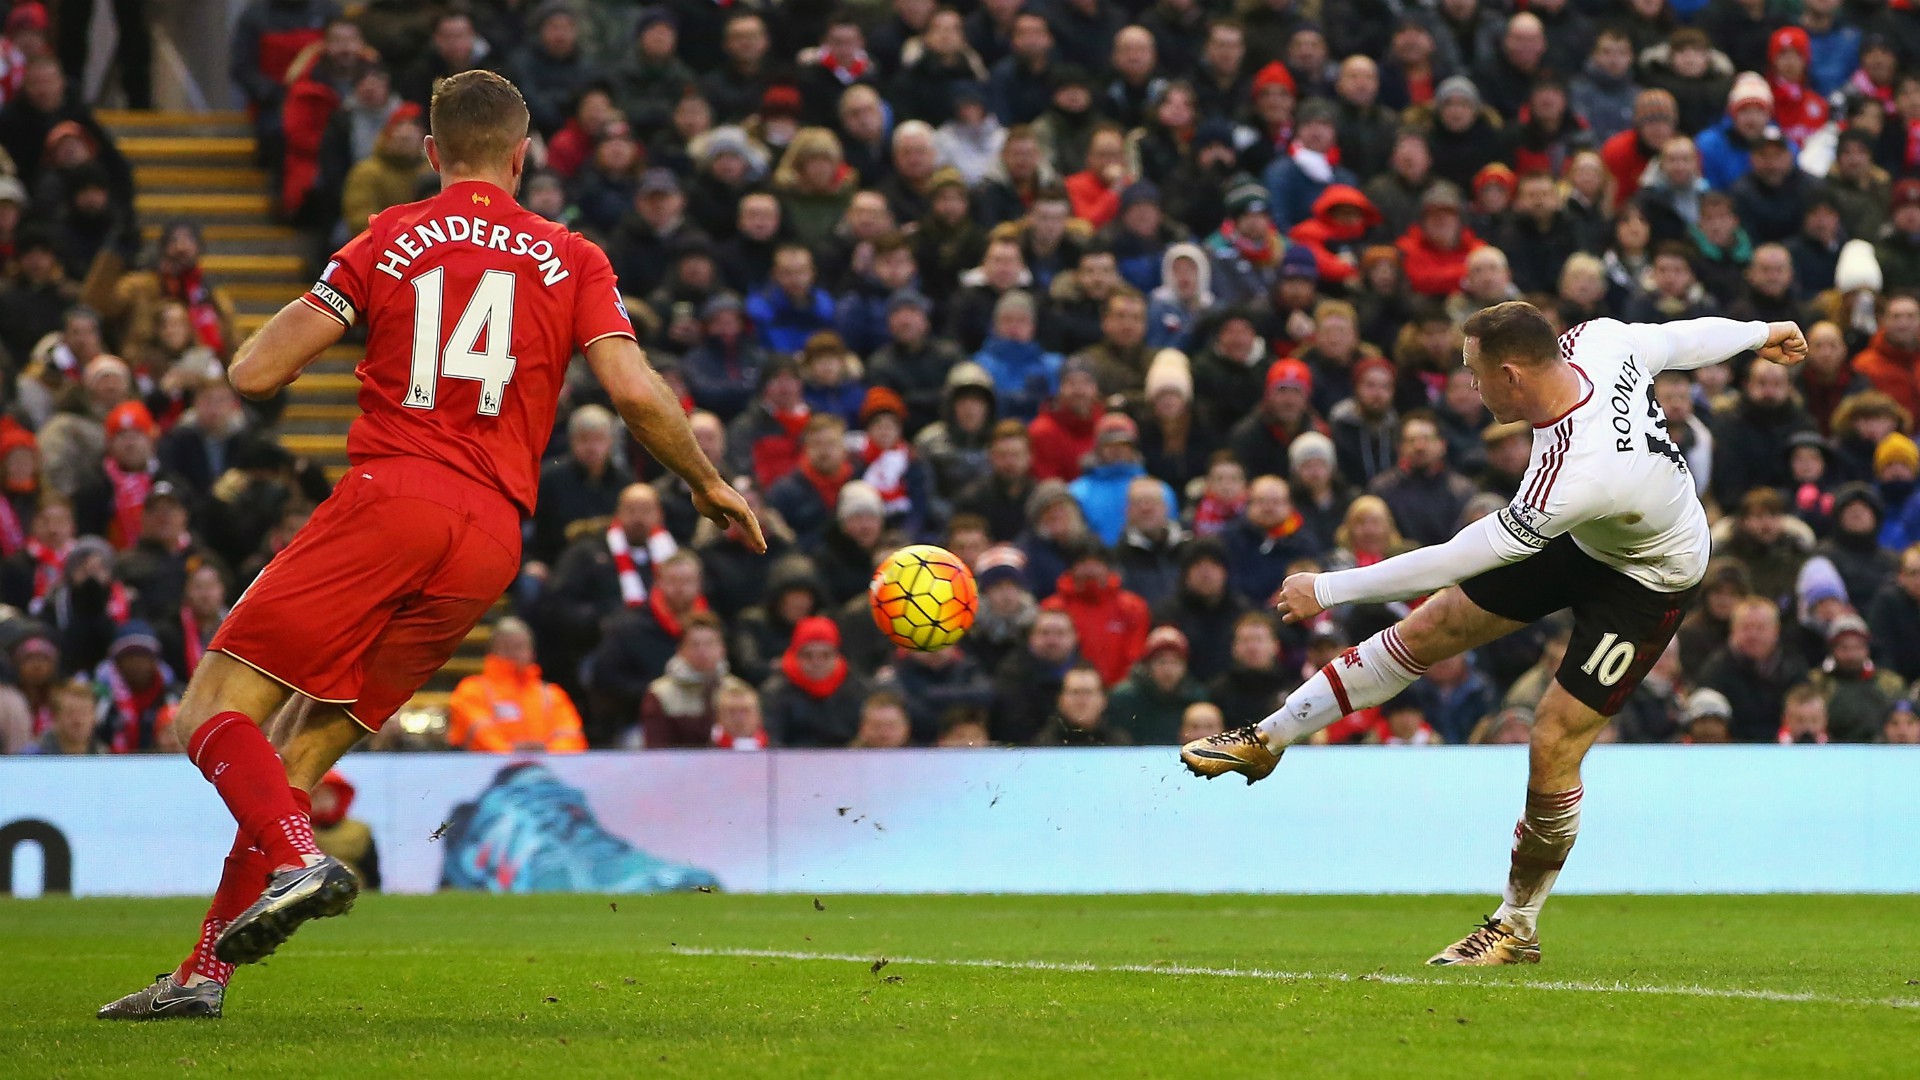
(474, 308)
(1604, 472)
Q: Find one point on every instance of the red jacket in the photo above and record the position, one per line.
(1060, 440)
(1111, 621)
(1432, 271)
(1092, 201)
(1626, 159)
(1320, 235)
(1890, 369)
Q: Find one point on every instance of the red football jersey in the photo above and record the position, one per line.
(474, 307)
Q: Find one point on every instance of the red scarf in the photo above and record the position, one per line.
(129, 504)
(1366, 558)
(1866, 87)
(667, 619)
(42, 716)
(189, 289)
(47, 567)
(817, 689)
(793, 421)
(848, 74)
(887, 472)
(12, 536)
(725, 740)
(1213, 515)
(828, 486)
(1261, 254)
(129, 707)
(190, 639)
(1288, 527)
(1913, 144)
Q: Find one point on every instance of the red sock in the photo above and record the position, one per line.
(230, 751)
(245, 874)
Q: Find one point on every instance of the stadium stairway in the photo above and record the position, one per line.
(200, 167)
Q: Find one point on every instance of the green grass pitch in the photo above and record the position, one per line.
(1117, 986)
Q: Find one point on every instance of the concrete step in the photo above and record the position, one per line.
(202, 149)
(324, 388)
(277, 293)
(231, 239)
(309, 412)
(188, 178)
(205, 208)
(328, 446)
(283, 268)
(139, 122)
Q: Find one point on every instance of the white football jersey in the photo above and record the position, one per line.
(1606, 472)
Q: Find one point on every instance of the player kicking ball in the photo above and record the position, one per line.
(1605, 523)
(474, 308)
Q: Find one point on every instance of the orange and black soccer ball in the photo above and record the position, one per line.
(923, 598)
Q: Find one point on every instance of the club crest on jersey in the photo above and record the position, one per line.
(482, 199)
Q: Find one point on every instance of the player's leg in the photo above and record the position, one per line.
(1364, 676)
(1620, 630)
(306, 735)
(219, 721)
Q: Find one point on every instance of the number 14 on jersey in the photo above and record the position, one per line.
(488, 312)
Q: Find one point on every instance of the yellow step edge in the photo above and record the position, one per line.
(139, 147)
(224, 231)
(273, 292)
(321, 411)
(189, 203)
(292, 266)
(201, 176)
(170, 118)
(325, 380)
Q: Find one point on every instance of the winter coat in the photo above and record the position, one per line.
(1426, 506)
(1059, 440)
(1431, 270)
(1857, 701)
(1757, 692)
(794, 717)
(1149, 715)
(1112, 622)
(1257, 558)
(1363, 448)
(1248, 695)
(678, 708)
(1101, 491)
(783, 323)
(507, 704)
(1606, 103)
(1024, 691)
(1025, 375)
(1329, 242)
(1295, 190)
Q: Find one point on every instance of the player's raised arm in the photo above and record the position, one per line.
(655, 418)
(1697, 343)
(278, 352)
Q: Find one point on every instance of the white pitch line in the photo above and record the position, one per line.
(1270, 975)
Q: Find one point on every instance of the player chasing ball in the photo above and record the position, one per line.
(1606, 523)
(474, 308)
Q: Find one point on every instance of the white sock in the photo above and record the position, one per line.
(1371, 673)
(1540, 845)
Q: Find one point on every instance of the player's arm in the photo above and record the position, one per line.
(1481, 546)
(1697, 343)
(278, 352)
(654, 416)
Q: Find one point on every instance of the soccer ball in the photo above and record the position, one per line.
(923, 598)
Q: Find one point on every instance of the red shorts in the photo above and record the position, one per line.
(384, 583)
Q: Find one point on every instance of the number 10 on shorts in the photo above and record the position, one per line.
(1610, 659)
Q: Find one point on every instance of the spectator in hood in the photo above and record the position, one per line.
(813, 699)
(1102, 486)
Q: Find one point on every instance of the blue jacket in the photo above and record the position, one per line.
(723, 380)
(1024, 375)
(782, 325)
(1101, 492)
(1294, 192)
(1723, 155)
(843, 401)
(861, 317)
(1836, 54)
(1257, 562)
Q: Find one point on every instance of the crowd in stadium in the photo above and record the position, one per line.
(1136, 307)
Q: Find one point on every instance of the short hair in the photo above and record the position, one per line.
(512, 625)
(1514, 332)
(884, 699)
(478, 119)
(1082, 667)
(702, 620)
(590, 418)
(1801, 693)
(1421, 416)
(71, 691)
(737, 688)
(1613, 32)
(964, 522)
(1257, 618)
(1009, 429)
(819, 422)
(1330, 308)
(890, 242)
(1673, 249)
